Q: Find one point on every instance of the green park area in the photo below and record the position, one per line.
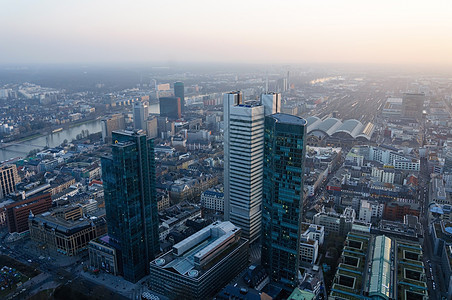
(13, 274)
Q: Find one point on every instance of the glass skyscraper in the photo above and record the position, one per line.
(128, 176)
(170, 107)
(180, 93)
(284, 153)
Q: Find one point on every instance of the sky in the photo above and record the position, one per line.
(240, 31)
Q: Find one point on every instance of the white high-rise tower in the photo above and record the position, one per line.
(243, 159)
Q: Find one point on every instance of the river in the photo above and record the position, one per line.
(51, 140)
(56, 139)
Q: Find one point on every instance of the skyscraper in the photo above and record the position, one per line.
(284, 153)
(130, 201)
(180, 93)
(110, 124)
(140, 115)
(170, 107)
(412, 105)
(243, 157)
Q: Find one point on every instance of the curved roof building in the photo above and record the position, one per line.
(333, 127)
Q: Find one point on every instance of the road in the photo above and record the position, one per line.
(59, 270)
(431, 261)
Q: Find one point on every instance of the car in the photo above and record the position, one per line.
(434, 286)
(30, 261)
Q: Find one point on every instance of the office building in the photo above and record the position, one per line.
(284, 154)
(104, 256)
(8, 180)
(335, 223)
(170, 107)
(66, 235)
(370, 210)
(110, 124)
(165, 127)
(140, 115)
(200, 265)
(130, 200)
(17, 213)
(152, 128)
(412, 105)
(243, 157)
(271, 102)
(180, 93)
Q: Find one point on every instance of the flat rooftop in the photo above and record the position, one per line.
(186, 255)
(289, 119)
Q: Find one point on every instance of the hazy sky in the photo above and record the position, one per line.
(254, 31)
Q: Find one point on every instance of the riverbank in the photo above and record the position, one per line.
(29, 138)
(37, 140)
(82, 123)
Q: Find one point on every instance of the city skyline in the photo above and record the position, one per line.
(405, 32)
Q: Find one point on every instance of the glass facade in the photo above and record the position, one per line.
(180, 93)
(130, 200)
(170, 107)
(284, 153)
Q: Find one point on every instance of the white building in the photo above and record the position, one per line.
(212, 200)
(355, 158)
(407, 165)
(243, 159)
(310, 242)
(384, 175)
(369, 209)
(309, 250)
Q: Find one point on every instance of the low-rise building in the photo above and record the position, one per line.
(60, 231)
(212, 200)
(103, 255)
(396, 211)
(17, 213)
(379, 267)
(199, 266)
(335, 223)
(370, 209)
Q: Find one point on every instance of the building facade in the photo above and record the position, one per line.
(199, 266)
(66, 235)
(284, 155)
(130, 201)
(104, 256)
(110, 124)
(243, 157)
(170, 107)
(412, 105)
(212, 200)
(179, 92)
(17, 213)
(140, 115)
(8, 180)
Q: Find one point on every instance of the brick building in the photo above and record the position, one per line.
(17, 213)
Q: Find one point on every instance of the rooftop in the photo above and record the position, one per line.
(192, 256)
(288, 119)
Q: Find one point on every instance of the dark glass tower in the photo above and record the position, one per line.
(284, 153)
(170, 107)
(179, 92)
(130, 200)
